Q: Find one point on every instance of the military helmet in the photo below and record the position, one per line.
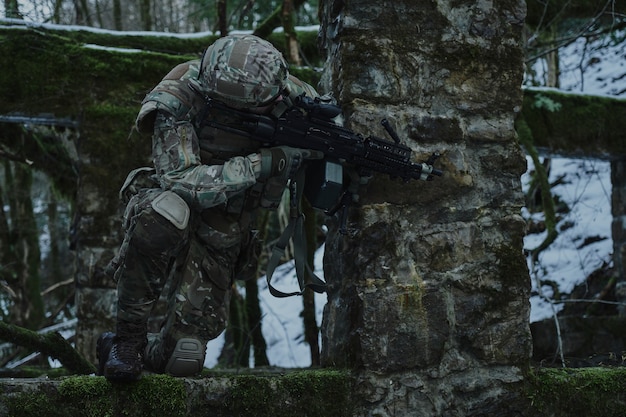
(243, 71)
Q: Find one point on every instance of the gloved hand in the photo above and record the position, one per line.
(284, 161)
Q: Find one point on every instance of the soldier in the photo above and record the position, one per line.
(189, 228)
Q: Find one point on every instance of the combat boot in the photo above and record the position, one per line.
(120, 354)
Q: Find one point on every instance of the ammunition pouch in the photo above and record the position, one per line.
(324, 185)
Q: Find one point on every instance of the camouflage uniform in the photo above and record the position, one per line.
(190, 231)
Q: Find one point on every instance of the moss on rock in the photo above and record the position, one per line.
(323, 393)
(573, 124)
(593, 392)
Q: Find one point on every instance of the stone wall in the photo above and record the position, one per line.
(428, 291)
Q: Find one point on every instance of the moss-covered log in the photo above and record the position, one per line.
(593, 392)
(328, 393)
(574, 125)
(51, 344)
(321, 393)
(53, 73)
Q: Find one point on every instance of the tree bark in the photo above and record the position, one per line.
(254, 318)
(146, 16)
(22, 254)
(222, 20)
(117, 15)
(266, 28)
(11, 9)
(311, 329)
(83, 16)
(291, 39)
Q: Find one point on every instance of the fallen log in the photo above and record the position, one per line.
(51, 344)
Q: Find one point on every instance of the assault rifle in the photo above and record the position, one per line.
(310, 125)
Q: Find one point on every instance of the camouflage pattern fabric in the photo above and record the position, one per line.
(200, 260)
(176, 157)
(198, 304)
(198, 263)
(150, 245)
(243, 71)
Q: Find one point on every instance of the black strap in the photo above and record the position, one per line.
(295, 230)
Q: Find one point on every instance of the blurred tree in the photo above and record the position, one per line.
(11, 9)
(20, 247)
(554, 24)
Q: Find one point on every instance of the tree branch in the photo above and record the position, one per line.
(275, 20)
(51, 344)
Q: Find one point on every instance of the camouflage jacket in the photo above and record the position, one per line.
(205, 166)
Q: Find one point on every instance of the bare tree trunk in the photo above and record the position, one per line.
(22, 254)
(222, 21)
(291, 38)
(253, 317)
(5, 236)
(58, 5)
(11, 9)
(117, 15)
(83, 17)
(275, 20)
(146, 16)
(311, 330)
(552, 58)
(99, 14)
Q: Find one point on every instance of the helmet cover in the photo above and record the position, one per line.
(243, 71)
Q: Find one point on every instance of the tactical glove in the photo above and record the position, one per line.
(284, 161)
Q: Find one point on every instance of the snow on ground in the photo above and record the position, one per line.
(596, 66)
(591, 67)
(282, 322)
(586, 187)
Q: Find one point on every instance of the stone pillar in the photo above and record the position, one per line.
(428, 292)
(618, 228)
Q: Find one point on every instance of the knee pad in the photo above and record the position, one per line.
(171, 206)
(187, 358)
(157, 224)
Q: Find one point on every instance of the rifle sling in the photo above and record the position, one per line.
(294, 230)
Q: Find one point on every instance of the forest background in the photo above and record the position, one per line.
(37, 285)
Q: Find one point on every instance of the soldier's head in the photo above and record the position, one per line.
(243, 71)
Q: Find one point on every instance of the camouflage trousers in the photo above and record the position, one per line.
(191, 267)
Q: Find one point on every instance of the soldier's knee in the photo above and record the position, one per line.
(187, 359)
(159, 221)
(173, 208)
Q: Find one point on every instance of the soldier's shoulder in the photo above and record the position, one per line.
(174, 94)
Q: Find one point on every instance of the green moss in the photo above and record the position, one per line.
(599, 392)
(156, 395)
(323, 393)
(314, 393)
(574, 124)
(89, 396)
(26, 405)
